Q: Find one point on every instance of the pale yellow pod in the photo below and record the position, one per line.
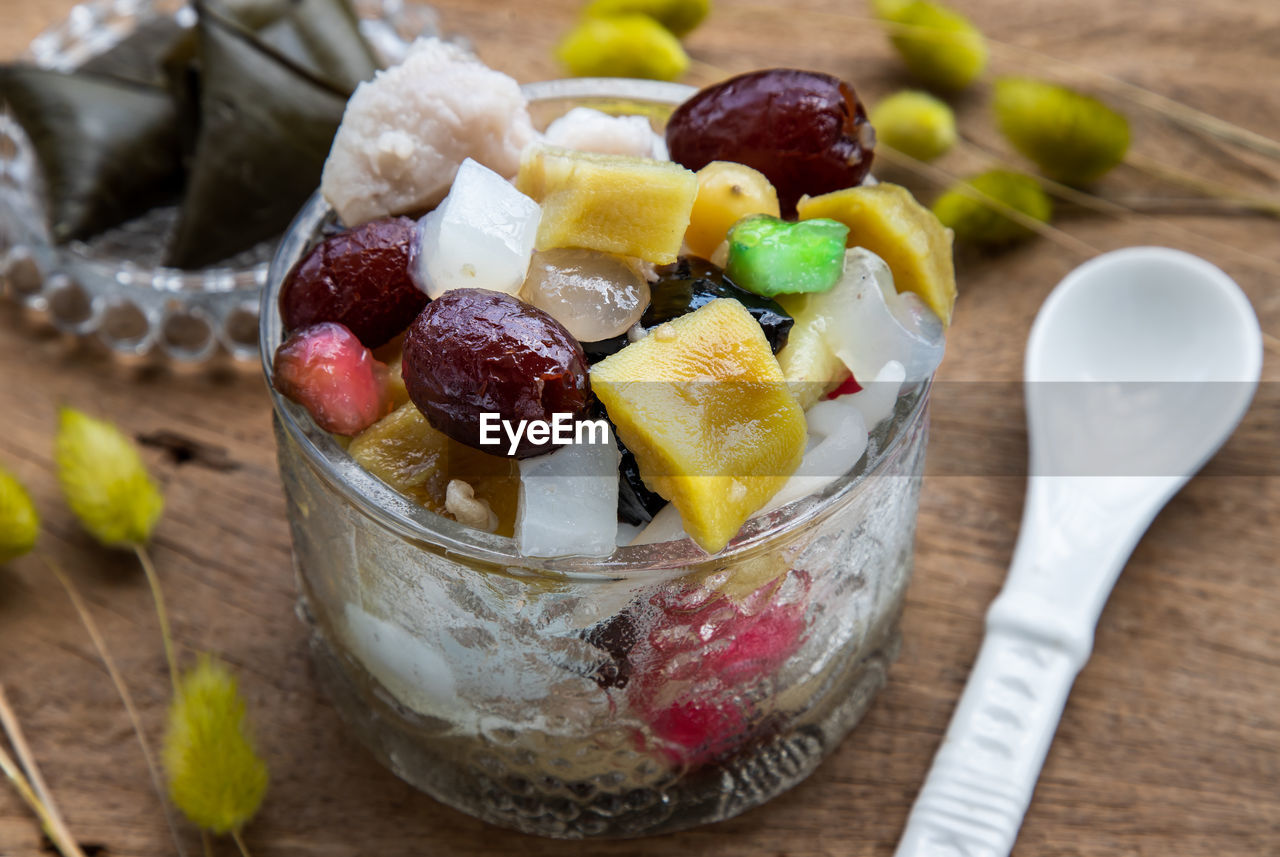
(727, 192)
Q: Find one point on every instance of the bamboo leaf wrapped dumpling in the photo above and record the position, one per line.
(138, 56)
(265, 130)
(324, 37)
(108, 148)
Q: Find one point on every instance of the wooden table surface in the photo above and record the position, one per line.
(1170, 744)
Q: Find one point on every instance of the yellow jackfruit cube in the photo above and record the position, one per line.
(707, 412)
(887, 220)
(404, 451)
(612, 203)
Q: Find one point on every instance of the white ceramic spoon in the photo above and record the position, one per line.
(1139, 365)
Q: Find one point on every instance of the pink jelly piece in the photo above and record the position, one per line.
(695, 731)
(328, 371)
(759, 648)
(702, 650)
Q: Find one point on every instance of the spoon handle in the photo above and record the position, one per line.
(978, 789)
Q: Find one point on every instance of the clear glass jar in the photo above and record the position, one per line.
(646, 692)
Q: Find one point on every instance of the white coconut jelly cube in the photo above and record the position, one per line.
(480, 237)
(569, 500)
(877, 324)
(414, 671)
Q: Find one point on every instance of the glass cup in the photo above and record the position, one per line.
(646, 692)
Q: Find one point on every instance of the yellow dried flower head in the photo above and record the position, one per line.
(974, 220)
(678, 16)
(215, 775)
(623, 46)
(916, 124)
(1072, 137)
(941, 47)
(104, 480)
(19, 523)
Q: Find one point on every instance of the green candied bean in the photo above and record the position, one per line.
(771, 257)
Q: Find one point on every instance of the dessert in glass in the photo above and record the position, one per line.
(672, 599)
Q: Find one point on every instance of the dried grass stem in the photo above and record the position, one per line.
(33, 790)
(99, 643)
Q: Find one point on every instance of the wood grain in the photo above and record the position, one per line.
(1170, 744)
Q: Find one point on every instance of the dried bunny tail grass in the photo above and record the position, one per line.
(1179, 113)
(974, 220)
(1155, 204)
(215, 775)
(946, 179)
(31, 786)
(939, 45)
(1216, 190)
(114, 497)
(66, 846)
(104, 480)
(162, 613)
(91, 627)
(19, 521)
(915, 123)
(1113, 208)
(1182, 114)
(1071, 137)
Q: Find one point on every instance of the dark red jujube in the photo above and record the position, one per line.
(474, 351)
(358, 278)
(806, 131)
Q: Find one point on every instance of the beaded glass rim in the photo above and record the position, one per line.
(97, 288)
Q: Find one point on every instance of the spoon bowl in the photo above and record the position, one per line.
(1140, 363)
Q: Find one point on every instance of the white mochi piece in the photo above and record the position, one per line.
(569, 501)
(480, 237)
(837, 439)
(590, 130)
(414, 671)
(666, 526)
(877, 399)
(405, 132)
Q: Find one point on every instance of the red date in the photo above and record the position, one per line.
(474, 351)
(358, 278)
(807, 132)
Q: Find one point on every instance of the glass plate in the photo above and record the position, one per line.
(113, 286)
